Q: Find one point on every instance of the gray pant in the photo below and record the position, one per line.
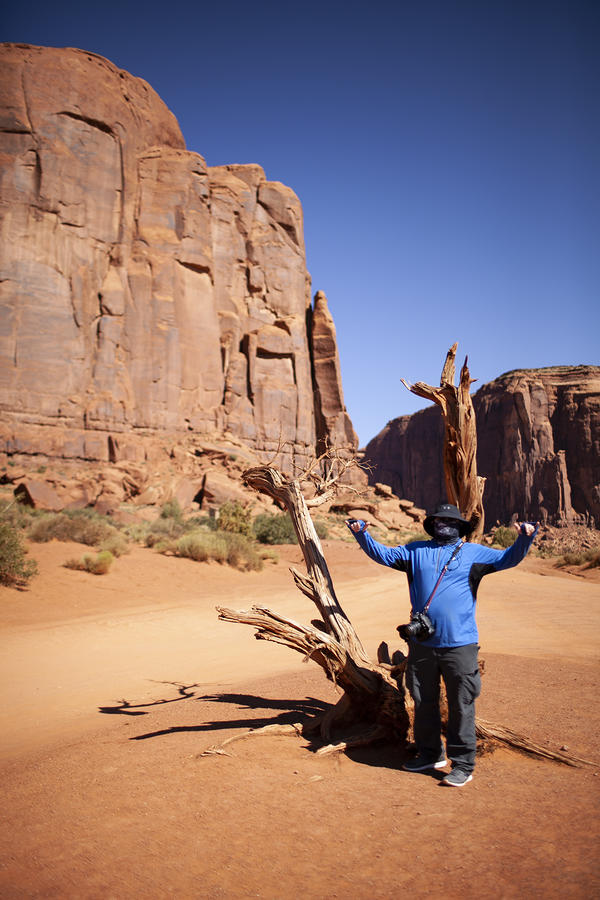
(459, 669)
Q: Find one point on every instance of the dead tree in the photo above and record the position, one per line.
(464, 488)
(374, 704)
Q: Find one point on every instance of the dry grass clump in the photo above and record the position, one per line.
(117, 544)
(96, 565)
(220, 546)
(588, 558)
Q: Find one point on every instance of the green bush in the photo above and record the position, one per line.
(224, 547)
(235, 519)
(505, 536)
(14, 568)
(96, 565)
(274, 528)
(84, 526)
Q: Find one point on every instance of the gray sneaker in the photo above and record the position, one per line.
(457, 778)
(421, 763)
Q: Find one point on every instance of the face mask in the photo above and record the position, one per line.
(443, 533)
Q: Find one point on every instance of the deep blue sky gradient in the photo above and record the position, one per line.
(445, 153)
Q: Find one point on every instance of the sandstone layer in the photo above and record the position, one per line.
(142, 292)
(538, 447)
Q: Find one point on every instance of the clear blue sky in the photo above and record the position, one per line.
(445, 152)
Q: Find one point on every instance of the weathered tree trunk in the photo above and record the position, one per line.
(464, 488)
(373, 701)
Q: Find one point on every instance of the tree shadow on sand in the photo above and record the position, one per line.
(288, 711)
(125, 708)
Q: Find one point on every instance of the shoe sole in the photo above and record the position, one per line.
(452, 784)
(440, 764)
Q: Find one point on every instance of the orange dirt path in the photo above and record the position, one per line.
(113, 686)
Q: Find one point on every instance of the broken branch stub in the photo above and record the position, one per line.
(464, 488)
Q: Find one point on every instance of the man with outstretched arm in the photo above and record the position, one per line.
(443, 577)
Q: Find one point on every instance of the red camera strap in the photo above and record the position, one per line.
(442, 573)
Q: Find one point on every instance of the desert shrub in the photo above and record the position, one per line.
(269, 555)
(167, 529)
(84, 526)
(204, 523)
(96, 565)
(274, 528)
(14, 568)
(242, 552)
(571, 559)
(505, 536)
(200, 546)
(137, 532)
(117, 544)
(17, 514)
(224, 547)
(321, 529)
(234, 518)
(164, 529)
(589, 558)
(277, 528)
(594, 559)
(171, 510)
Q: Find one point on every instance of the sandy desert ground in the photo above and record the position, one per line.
(114, 685)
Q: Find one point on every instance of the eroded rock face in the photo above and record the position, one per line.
(538, 447)
(140, 290)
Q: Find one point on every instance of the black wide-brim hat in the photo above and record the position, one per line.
(447, 511)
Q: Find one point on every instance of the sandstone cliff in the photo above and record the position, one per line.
(538, 446)
(142, 292)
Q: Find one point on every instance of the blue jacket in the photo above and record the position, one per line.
(452, 609)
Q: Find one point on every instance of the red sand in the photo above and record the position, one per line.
(118, 804)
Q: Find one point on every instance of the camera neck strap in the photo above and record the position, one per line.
(455, 553)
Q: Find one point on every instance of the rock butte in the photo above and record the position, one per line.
(538, 446)
(142, 292)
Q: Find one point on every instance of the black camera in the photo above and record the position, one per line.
(420, 627)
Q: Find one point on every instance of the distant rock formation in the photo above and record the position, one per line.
(538, 446)
(141, 291)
